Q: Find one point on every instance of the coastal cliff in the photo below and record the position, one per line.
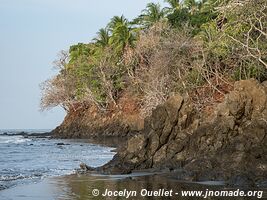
(90, 122)
(126, 83)
(226, 144)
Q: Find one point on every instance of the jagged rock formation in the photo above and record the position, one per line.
(228, 144)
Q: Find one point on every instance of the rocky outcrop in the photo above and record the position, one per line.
(89, 121)
(230, 144)
(76, 129)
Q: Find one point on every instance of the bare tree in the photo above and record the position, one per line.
(253, 19)
(57, 91)
(167, 59)
(63, 59)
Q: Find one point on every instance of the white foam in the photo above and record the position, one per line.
(13, 139)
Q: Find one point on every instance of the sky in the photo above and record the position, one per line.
(32, 32)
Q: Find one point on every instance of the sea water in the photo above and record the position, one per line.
(26, 160)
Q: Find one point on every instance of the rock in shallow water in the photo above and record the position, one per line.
(61, 144)
(2, 187)
(85, 167)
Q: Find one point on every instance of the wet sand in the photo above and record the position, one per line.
(80, 187)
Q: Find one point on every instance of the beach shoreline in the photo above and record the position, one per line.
(81, 187)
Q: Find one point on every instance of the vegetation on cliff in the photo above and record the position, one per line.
(166, 66)
(197, 48)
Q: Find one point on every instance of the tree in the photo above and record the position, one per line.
(192, 6)
(122, 36)
(179, 17)
(58, 91)
(192, 12)
(117, 21)
(187, 47)
(247, 22)
(102, 38)
(152, 14)
(79, 51)
(174, 5)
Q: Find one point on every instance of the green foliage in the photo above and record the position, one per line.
(194, 78)
(117, 21)
(102, 38)
(194, 13)
(151, 15)
(79, 51)
(179, 17)
(174, 5)
(123, 35)
(250, 70)
(222, 42)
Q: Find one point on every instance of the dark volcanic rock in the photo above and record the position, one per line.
(22, 133)
(2, 187)
(85, 167)
(40, 135)
(229, 145)
(60, 144)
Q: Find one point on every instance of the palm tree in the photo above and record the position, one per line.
(208, 5)
(117, 21)
(102, 38)
(174, 5)
(122, 38)
(192, 6)
(123, 35)
(152, 14)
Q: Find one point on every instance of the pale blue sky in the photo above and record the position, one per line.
(32, 32)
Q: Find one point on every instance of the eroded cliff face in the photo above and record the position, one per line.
(89, 121)
(228, 144)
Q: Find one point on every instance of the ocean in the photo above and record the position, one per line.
(25, 160)
(39, 168)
